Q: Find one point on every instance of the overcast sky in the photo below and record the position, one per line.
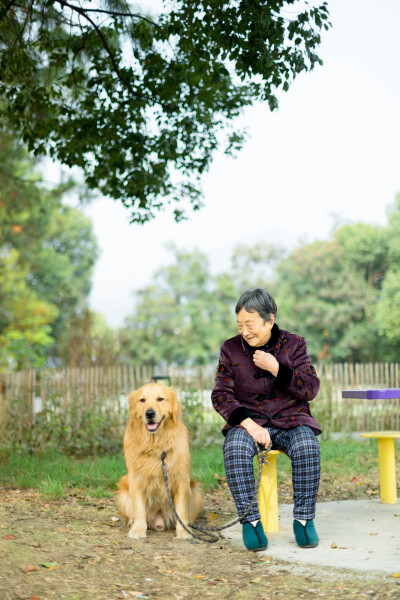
(330, 154)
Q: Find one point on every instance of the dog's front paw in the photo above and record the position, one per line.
(137, 532)
(182, 534)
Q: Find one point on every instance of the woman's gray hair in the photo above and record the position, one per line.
(257, 300)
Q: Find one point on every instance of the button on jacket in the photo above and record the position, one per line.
(243, 390)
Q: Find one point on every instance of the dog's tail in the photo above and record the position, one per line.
(124, 500)
(196, 502)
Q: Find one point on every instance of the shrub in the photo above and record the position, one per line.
(68, 427)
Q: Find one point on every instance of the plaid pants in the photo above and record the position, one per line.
(301, 446)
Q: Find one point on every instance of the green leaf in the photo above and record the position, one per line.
(133, 100)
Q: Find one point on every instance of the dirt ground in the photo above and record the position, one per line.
(77, 549)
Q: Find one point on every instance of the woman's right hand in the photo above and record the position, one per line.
(260, 434)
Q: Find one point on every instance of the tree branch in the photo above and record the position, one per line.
(121, 14)
(5, 10)
(101, 35)
(21, 32)
(82, 12)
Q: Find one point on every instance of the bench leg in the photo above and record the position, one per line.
(387, 470)
(268, 496)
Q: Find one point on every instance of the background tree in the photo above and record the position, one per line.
(388, 307)
(324, 299)
(139, 103)
(254, 266)
(182, 317)
(87, 341)
(340, 294)
(332, 292)
(47, 252)
(61, 267)
(25, 319)
(365, 250)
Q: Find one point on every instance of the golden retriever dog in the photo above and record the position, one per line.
(154, 427)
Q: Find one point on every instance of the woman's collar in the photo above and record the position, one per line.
(275, 332)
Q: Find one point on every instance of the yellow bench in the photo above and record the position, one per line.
(268, 493)
(387, 466)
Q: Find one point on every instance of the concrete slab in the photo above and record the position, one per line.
(361, 535)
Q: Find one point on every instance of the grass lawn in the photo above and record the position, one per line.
(54, 475)
(67, 519)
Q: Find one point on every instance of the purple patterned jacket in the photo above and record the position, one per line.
(243, 390)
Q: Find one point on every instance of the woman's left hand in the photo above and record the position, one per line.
(265, 361)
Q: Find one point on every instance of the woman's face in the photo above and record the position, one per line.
(253, 329)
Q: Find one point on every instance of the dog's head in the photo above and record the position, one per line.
(154, 404)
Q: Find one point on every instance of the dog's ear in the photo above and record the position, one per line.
(176, 406)
(132, 399)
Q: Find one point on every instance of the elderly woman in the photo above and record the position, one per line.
(263, 386)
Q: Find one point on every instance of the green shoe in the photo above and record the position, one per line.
(305, 535)
(254, 538)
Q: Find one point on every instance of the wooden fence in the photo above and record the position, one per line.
(361, 375)
(34, 390)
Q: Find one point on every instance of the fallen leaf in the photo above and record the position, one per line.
(10, 536)
(333, 545)
(50, 565)
(29, 569)
(115, 519)
(63, 529)
(339, 587)
(256, 580)
(34, 598)
(395, 574)
(2, 526)
(198, 576)
(354, 480)
(373, 533)
(343, 547)
(211, 516)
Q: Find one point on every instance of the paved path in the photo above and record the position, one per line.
(365, 533)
